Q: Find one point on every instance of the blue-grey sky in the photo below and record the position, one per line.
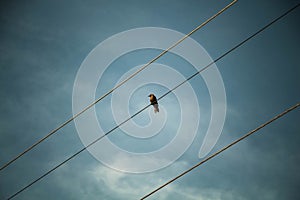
(43, 44)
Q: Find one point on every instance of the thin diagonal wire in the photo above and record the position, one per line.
(234, 48)
(118, 85)
(92, 143)
(223, 149)
(74, 155)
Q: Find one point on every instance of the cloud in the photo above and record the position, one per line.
(129, 186)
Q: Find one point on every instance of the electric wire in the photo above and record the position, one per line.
(117, 86)
(234, 48)
(223, 149)
(107, 133)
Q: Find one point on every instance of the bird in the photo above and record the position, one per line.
(153, 102)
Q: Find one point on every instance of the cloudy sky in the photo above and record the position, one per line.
(44, 44)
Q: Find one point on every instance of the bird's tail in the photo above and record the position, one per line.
(156, 109)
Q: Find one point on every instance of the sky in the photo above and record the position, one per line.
(44, 44)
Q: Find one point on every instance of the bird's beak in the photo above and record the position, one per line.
(149, 95)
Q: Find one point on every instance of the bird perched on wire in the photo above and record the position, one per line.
(153, 102)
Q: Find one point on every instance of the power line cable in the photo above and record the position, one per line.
(107, 133)
(223, 149)
(234, 48)
(117, 86)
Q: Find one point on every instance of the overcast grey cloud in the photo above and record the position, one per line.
(43, 44)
